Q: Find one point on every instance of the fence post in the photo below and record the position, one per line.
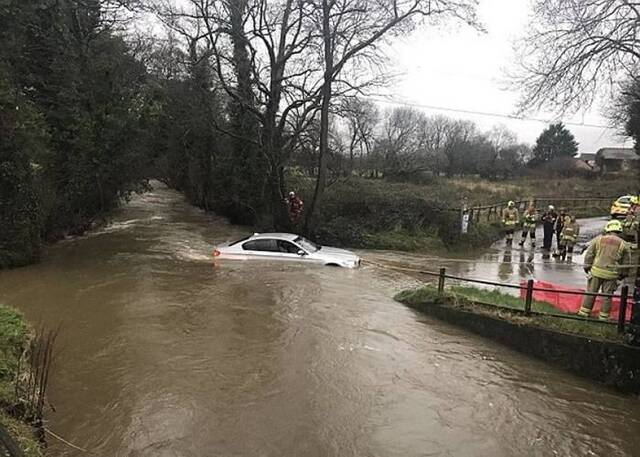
(441, 278)
(528, 298)
(622, 315)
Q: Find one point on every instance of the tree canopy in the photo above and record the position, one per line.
(73, 102)
(555, 142)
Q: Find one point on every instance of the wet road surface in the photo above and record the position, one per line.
(506, 264)
(161, 353)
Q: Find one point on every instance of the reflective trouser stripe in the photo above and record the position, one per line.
(595, 284)
(604, 274)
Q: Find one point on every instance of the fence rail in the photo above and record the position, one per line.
(495, 211)
(528, 301)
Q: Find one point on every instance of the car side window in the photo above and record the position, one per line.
(287, 247)
(261, 245)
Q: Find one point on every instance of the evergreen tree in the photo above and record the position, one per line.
(74, 102)
(22, 136)
(627, 112)
(553, 143)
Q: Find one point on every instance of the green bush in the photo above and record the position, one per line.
(378, 214)
(13, 340)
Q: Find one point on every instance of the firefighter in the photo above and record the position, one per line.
(631, 224)
(569, 237)
(510, 221)
(562, 219)
(605, 262)
(295, 205)
(548, 224)
(530, 219)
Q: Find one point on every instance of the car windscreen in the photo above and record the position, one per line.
(240, 240)
(307, 245)
(624, 200)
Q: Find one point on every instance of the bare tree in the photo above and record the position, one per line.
(576, 47)
(298, 56)
(361, 117)
(351, 31)
(459, 136)
(403, 145)
(258, 48)
(501, 137)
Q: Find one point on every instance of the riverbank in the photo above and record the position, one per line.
(15, 337)
(589, 349)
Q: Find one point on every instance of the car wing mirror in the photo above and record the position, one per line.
(301, 253)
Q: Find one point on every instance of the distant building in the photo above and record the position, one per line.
(586, 160)
(616, 159)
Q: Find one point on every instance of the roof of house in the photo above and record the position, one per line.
(586, 156)
(618, 154)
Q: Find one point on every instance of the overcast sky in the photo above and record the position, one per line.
(466, 70)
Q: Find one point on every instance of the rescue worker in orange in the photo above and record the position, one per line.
(605, 263)
(510, 221)
(295, 205)
(529, 225)
(569, 237)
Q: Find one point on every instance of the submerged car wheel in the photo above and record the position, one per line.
(332, 265)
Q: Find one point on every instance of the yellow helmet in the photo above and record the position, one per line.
(511, 204)
(613, 226)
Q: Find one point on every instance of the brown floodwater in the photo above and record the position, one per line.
(162, 353)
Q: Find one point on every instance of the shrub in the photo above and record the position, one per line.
(378, 214)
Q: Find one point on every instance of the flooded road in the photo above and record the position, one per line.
(505, 264)
(161, 353)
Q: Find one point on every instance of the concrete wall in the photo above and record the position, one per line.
(613, 364)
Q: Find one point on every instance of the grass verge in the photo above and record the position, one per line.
(15, 336)
(381, 214)
(504, 306)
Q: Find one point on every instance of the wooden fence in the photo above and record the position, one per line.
(573, 205)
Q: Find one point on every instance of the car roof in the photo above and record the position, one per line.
(279, 236)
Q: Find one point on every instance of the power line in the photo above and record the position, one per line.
(485, 113)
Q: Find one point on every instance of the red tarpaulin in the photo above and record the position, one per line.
(567, 303)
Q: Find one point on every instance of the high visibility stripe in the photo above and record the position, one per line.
(584, 312)
(603, 274)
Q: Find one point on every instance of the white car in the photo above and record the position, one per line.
(286, 246)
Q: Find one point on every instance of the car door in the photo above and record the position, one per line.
(292, 251)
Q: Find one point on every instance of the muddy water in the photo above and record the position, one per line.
(162, 353)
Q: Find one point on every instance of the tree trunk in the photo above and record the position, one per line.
(324, 115)
(247, 157)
